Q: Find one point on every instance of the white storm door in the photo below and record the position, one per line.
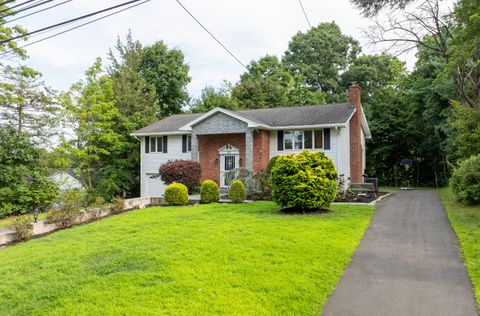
(227, 162)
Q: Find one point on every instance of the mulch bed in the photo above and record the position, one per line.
(361, 198)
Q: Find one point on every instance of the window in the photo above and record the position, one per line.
(156, 144)
(303, 139)
(308, 139)
(189, 143)
(298, 139)
(319, 138)
(287, 138)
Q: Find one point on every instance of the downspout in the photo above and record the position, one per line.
(337, 130)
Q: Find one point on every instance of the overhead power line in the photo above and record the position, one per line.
(210, 33)
(16, 6)
(25, 9)
(35, 12)
(305, 13)
(68, 22)
(78, 26)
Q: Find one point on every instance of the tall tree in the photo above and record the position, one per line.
(167, 71)
(267, 83)
(373, 7)
(214, 97)
(134, 97)
(136, 101)
(373, 73)
(90, 105)
(321, 55)
(27, 104)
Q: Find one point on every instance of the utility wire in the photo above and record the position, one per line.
(15, 6)
(67, 22)
(38, 11)
(76, 27)
(213, 36)
(304, 13)
(25, 9)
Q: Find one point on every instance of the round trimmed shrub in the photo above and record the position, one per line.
(237, 192)
(465, 180)
(304, 181)
(176, 194)
(209, 192)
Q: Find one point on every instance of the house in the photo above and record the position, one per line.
(66, 181)
(222, 139)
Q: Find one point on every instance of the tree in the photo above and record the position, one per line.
(7, 32)
(23, 184)
(136, 102)
(373, 73)
(373, 7)
(267, 83)
(464, 52)
(321, 55)
(134, 97)
(214, 97)
(167, 71)
(27, 104)
(90, 105)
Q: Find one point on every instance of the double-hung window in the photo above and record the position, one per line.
(156, 144)
(309, 139)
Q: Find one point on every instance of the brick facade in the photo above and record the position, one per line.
(356, 150)
(261, 150)
(208, 146)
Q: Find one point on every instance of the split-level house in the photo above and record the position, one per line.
(222, 140)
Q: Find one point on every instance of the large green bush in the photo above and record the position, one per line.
(23, 182)
(66, 212)
(176, 194)
(237, 192)
(304, 181)
(209, 192)
(465, 180)
(271, 163)
(23, 228)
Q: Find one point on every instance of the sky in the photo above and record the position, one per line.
(249, 28)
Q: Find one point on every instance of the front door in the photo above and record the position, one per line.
(228, 162)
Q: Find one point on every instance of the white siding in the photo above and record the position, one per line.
(149, 164)
(339, 150)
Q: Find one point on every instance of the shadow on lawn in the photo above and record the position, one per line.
(297, 211)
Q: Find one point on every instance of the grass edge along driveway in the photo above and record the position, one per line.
(465, 220)
(207, 259)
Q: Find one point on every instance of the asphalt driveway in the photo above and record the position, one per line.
(406, 264)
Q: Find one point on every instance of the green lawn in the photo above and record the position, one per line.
(246, 259)
(466, 223)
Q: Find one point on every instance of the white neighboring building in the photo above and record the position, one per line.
(66, 181)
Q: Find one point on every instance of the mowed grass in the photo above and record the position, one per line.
(466, 223)
(245, 259)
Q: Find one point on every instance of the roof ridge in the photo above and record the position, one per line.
(290, 107)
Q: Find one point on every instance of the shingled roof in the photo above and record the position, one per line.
(327, 114)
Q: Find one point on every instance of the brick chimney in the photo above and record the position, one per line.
(356, 150)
